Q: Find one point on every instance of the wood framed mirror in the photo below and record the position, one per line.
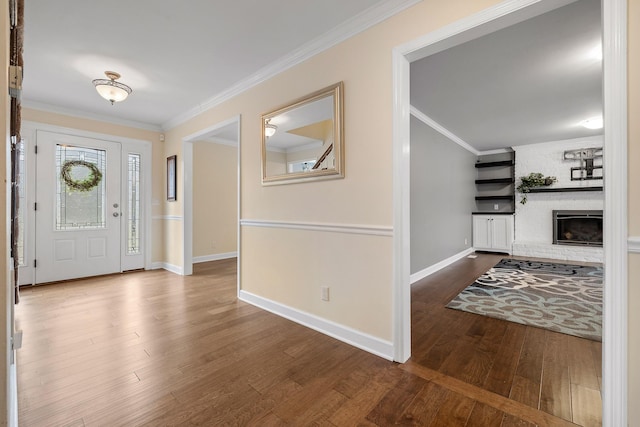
(304, 140)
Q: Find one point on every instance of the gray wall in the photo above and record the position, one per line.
(442, 196)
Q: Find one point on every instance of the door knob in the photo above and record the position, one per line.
(116, 214)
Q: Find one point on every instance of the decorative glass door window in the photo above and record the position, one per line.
(22, 200)
(133, 195)
(80, 198)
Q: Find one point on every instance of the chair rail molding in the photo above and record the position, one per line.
(374, 230)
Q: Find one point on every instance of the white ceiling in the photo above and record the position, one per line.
(532, 82)
(528, 83)
(177, 56)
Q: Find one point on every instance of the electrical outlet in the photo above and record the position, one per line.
(324, 293)
(496, 207)
(466, 241)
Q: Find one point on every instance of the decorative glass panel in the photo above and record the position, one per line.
(22, 200)
(80, 201)
(133, 198)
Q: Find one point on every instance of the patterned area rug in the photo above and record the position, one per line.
(560, 297)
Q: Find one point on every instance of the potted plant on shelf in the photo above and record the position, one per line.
(533, 180)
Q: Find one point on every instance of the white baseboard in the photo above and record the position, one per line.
(439, 266)
(214, 257)
(157, 265)
(166, 266)
(345, 334)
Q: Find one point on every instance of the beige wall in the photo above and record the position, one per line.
(363, 197)
(215, 199)
(158, 183)
(634, 208)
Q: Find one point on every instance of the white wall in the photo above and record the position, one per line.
(534, 224)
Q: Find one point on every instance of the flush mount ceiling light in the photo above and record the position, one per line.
(110, 89)
(593, 123)
(269, 129)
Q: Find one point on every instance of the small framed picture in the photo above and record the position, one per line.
(172, 195)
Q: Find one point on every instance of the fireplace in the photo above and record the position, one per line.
(581, 228)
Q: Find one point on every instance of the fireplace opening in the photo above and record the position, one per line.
(581, 228)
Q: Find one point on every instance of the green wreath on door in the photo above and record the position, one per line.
(86, 184)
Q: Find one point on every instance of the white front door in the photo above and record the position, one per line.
(78, 207)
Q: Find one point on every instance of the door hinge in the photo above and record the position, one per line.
(15, 81)
(35, 206)
(35, 263)
(16, 340)
(36, 148)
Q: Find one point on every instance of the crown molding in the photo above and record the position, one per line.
(442, 130)
(41, 106)
(349, 28)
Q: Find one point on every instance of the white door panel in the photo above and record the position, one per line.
(78, 233)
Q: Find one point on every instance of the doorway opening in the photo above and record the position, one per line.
(615, 90)
(212, 194)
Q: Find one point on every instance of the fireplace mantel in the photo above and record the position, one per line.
(563, 189)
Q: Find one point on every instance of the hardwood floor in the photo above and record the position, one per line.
(152, 348)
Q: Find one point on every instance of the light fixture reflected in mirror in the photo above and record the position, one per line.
(269, 129)
(110, 89)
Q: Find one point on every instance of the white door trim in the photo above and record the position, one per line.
(187, 190)
(615, 170)
(615, 310)
(29, 129)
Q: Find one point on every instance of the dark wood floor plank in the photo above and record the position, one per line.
(587, 404)
(395, 401)
(532, 355)
(500, 378)
(454, 410)
(360, 403)
(583, 369)
(485, 416)
(425, 406)
(525, 391)
(474, 357)
(513, 421)
(555, 393)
